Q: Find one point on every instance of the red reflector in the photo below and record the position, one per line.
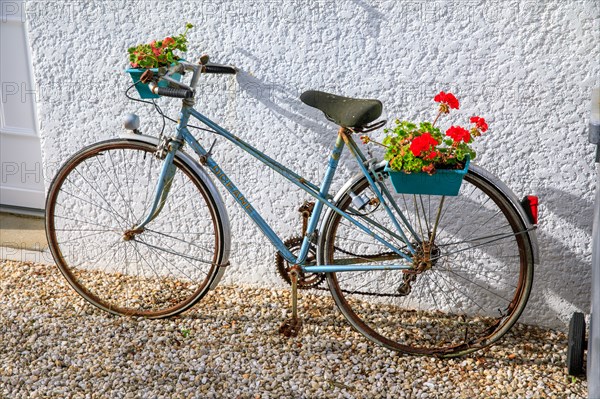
(533, 207)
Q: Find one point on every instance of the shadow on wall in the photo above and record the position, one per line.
(577, 211)
(557, 289)
(375, 18)
(266, 92)
(290, 107)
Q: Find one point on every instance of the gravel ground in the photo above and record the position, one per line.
(52, 344)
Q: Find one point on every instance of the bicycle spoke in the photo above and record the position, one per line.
(102, 254)
(83, 236)
(480, 207)
(178, 239)
(126, 178)
(478, 285)
(125, 202)
(480, 245)
(80, 230)
(482, 225)
(111, 228)
(462, 241)
(454, 289)
(424, 216)
(443, 292)
(101, 195)
(478, 273)
(84, 200)
(173, 253)
(454, 205)
(178, 269)
(146, 202)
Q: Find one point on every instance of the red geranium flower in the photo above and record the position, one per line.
(432, 155)
(422, 143)
(479, 123)
(458, 134)
(167, 41)
(155, 50)
(428, 168)
(447, 98)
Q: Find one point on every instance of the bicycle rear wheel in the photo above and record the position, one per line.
(471, 292)
(105, 190)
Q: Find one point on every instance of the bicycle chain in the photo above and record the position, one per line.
(285, 276)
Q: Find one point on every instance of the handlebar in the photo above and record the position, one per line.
(185, 91)
(171, 91)
(217, 68)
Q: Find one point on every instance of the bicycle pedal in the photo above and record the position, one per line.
(291, 327)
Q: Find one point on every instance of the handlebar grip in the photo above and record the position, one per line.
(216, 68)
(173, 92)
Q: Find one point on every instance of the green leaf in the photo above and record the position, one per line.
(409, 126)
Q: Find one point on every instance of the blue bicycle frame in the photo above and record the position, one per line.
(321, 194)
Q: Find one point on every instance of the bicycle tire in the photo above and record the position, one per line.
(576, 346)
(107, 188)
(466, 300)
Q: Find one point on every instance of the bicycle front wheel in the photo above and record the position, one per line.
(105, 190)
(470, 282)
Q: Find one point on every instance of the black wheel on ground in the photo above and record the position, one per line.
(576, 344)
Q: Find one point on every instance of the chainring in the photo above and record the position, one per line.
(305, 280)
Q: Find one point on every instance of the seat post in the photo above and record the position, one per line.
(345, 133)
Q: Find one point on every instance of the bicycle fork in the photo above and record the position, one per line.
(166, 150)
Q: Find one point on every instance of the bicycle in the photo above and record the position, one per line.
(428, 275)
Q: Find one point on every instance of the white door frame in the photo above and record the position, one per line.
(21, 168)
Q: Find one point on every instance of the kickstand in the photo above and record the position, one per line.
(293, 326)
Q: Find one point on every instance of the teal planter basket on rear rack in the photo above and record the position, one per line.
(442, 182)
(142, 88)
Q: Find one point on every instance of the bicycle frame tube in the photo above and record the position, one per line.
(319, 193)
(359, 158)
(316, 214)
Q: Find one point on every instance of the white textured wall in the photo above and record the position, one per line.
(528, 67)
